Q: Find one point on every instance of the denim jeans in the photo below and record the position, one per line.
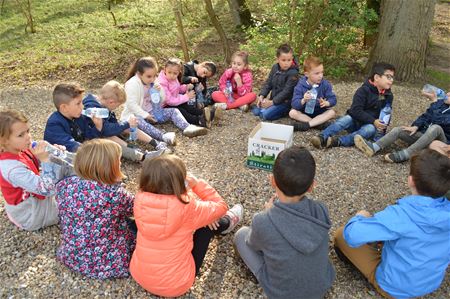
(273, 112)
(347, 123)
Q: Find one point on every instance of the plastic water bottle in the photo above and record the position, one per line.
(199, 93)
(62, 155)
(229, 90)
(385, 118)
(311, 104)
(133, 134)
(441, 95)
(97, 112)
(156, 103)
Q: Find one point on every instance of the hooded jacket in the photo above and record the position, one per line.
(324, 90)
(247, 81)
(162, 262)
(174, 91)
(437, 114)
(281, 83)
(293, 240)
(416, 250)
(189, 73)
(368, 102)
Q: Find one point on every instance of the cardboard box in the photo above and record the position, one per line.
(265, 142)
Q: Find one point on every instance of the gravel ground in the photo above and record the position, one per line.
(346, 181)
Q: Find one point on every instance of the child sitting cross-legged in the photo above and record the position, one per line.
(286, 247)
(412, 253)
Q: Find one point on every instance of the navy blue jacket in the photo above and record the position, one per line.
(368, 102)
(325, 90)
(111, 126)
(281, 83)
(70, 133)
(437, 114)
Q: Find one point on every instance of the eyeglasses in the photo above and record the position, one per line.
(389, 77)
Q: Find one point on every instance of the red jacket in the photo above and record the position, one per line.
(162, 262)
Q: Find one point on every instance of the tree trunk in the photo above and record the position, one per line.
(240, 12)
(182, 36)
(219, 28)
(370, 33)
(403, 36)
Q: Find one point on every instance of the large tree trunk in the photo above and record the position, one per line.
(240, 12)
(219, 28)
(403, 36)
(180, 27)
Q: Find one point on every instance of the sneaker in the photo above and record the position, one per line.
(318, 141)
(193, 131)
(397, 157)
(222, 106)
(300, 126)
(169, 138)
(363, 145)
(333, 142)
(244, 108)
(235, 214)
(153, 154)
(163, 146)
(209, 116)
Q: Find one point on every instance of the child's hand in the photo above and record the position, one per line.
(191, 94)
(214, 225)
(379, 125)
(150, 119)
(266, 103)
(157, 86)
(39, 151)
(132, 121)
(190, 86)
(430, 95)
(323, 103)
(411, 130)
(269, 203)
(200, 87)
(98, 122)
(258, 101)
(307, 96)
(364, 213)
(194, 80)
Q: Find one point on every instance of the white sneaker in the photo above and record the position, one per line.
(153, 154)
(222, 106)
(169, 138)
(163, 146)
(235, 214)
(193, 131)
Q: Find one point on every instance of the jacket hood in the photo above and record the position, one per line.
(432, 215)
(304, 83)
(90, 101)
(306, 218)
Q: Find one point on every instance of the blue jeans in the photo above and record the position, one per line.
(347, 123)
(273, 112)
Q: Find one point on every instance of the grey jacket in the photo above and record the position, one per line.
(293, 239)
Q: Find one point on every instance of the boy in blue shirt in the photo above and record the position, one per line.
(415, 233)
(313, 69)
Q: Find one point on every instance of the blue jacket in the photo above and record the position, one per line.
(368, 102)
(416, 251)
(280, 84)
(325, 90)
(70, 133)
(437, 114)
(111, 126)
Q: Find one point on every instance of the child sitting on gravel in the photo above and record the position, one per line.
(415, 232)
(286, 247)
(93, 210)
(168, 254)
(198, 73)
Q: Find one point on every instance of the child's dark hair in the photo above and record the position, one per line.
(175, 62)
(242, 54)
(165, 174)
(210, 66)
(430, 172)
(140, 65)
(294, 170)
(379, 68)
(65, 92)
(284, 49)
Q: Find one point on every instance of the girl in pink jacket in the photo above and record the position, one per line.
(239, 79)
(182, 96)
(176, 216)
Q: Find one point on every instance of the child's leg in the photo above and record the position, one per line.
(149, 129)
(191, 113)
(322, 118)
(299, 116)
(127, 152)
(176, 117)
(366, 131)
(219, 97)
(434, 132)
(441, 147)
(343, 123)
(246, 99)
(275, 111)
(251, 258)
(395, 134)
(365, 258)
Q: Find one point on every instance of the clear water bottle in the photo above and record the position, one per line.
(59, 154)
(385, 118)
(156, 103)
(441, 95)
(199, 93)
(133, 134)
(311, 104)
(229, 90)
(97, 112)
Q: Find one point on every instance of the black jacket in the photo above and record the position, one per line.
(189, 72)
(437, 114)
(281, 83)
(368, 102)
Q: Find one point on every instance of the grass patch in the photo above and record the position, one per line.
(438, 78)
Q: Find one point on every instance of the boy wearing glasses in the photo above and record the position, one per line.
(362, 117)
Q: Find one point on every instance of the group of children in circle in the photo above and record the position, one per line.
(161, 234)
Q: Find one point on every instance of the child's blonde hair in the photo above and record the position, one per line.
(8, 117)
(165, 174)
(113, 90)
(242, 54)
(310, 62)
(99, 160)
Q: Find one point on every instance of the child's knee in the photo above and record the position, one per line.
(293, 113)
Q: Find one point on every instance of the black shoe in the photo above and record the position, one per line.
(333, 142)
(300, 126)
(318, 141)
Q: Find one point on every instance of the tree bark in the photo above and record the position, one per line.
(219, 28)
(240, 12)
(403, 37)
(180, 27)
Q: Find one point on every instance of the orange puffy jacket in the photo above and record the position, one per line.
(162, 262)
